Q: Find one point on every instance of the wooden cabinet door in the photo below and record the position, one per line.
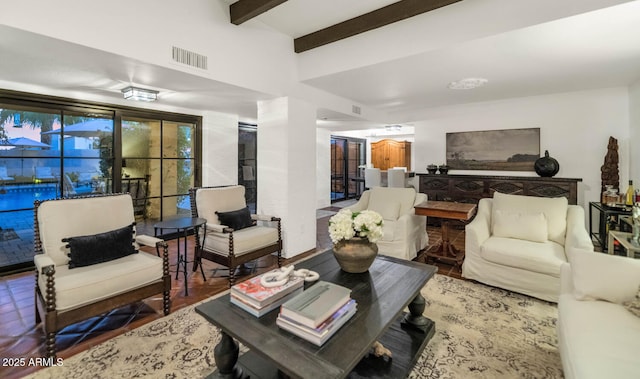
(378, 155)
(386, 154)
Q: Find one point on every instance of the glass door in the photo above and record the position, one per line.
(347, 162)
(158, 167)
(45, 153)
(338, 164)
(247, 163)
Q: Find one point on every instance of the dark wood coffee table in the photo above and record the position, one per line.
(382, 295)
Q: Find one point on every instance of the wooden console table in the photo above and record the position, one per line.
(446, 211)
(472, 188)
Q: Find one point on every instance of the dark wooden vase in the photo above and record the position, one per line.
(355, 255)
(546, 166)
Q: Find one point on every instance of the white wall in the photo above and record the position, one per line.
(323, 167)
(287, 170)
(219, 149)
(574, 127)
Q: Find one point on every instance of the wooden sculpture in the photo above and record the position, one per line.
(609, 170)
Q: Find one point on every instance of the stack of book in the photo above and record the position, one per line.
(317, 313)
(251, 296)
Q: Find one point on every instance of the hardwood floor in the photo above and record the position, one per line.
(21, 338)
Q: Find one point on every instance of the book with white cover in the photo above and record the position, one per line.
(259, 312)
(316, 304)
(326, 330)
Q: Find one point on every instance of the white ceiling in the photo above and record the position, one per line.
(592, 50)
(597, 49)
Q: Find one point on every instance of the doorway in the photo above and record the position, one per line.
(348, 157)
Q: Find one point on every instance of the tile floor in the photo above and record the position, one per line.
(20, 337)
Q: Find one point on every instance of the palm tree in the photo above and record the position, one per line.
(44, 121)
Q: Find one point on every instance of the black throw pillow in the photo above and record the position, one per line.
(101, 247)
(236, 220)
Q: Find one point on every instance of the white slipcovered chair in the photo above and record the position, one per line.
(233, 236)
(87, 262)
(372, 178)
(404, 233)
(598, 335)
(519, 243)
(396, 178)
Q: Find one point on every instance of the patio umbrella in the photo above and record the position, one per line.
(23, 143)
(93, 128)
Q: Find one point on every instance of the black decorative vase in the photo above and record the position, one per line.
(546, 166)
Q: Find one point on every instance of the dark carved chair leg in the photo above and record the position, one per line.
(166, 302)
(51, 345)
(35, 300)
(232, 276)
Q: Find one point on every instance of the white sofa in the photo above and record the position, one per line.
(404, 233)
(597, 337)
(519, 243)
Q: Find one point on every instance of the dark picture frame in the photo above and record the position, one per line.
(500, 150)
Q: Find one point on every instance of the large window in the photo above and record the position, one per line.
(158, 166)
(51, 147)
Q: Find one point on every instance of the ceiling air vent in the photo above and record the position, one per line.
(189, 58)
(356, 109)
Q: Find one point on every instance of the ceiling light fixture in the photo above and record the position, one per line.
(468, 83)
(139, 94)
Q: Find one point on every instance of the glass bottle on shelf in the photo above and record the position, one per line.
(630, 195)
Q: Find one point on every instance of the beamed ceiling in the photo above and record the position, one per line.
(393, 59)
(244, 10)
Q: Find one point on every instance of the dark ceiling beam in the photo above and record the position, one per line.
(245, 10)
(368, 21)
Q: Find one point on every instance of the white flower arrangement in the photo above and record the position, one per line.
(346, 224)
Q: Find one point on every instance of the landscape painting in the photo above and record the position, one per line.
(501, 150)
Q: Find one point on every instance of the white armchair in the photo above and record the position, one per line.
(598, 325)
(520, 242)
(88, 264)
(404, 233)
(233, 236)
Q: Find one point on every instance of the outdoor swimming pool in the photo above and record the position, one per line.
(22, 196)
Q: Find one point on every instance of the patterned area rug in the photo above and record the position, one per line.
(481, 332)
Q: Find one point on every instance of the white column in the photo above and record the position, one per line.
(219, 149)
(323, 166)
(287, 170)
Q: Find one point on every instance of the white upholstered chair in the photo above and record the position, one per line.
(372, 178)
(233, 236)
(396, 178)
(404, 233)
(519, 243)
(87, 263)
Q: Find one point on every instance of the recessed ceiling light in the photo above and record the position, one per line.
(468, 83)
